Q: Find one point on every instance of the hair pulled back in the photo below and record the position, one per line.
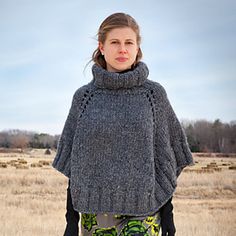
(116, 20)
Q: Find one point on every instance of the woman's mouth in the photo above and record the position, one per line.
(121, 59)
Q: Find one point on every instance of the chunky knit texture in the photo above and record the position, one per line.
(122, 145)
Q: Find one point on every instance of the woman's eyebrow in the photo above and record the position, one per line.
(119, 39)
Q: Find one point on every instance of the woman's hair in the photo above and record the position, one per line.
(116, 20)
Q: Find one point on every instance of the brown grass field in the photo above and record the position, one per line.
(33, 196)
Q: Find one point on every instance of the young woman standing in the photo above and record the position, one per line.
(122, 146)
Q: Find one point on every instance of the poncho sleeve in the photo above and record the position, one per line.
(62, 161)
(177, 136)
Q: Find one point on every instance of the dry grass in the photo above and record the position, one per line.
(32, 201)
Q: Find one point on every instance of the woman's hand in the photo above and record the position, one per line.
(167, 219)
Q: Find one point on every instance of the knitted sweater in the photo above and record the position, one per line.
(122, 145)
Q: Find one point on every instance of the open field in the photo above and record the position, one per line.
(33, 197)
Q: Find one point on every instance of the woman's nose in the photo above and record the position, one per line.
(123, 48)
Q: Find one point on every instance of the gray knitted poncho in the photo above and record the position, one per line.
(122, 145)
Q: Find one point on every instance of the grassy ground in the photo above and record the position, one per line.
(32, 199)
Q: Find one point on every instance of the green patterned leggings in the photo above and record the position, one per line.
(119, 225)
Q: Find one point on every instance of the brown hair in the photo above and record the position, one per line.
(116, 20)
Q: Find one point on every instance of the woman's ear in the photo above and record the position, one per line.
(100, 46)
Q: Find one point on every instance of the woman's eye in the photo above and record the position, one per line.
(113, 42)
(129, 42)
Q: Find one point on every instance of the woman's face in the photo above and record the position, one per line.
(120, 49)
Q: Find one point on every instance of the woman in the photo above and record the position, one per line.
(122, 146)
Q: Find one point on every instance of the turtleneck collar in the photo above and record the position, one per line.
(114, 80)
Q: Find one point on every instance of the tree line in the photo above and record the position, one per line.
(206, 136)
(16, 138)
(202, 135)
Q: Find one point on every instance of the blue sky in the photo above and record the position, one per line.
(188, 45)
